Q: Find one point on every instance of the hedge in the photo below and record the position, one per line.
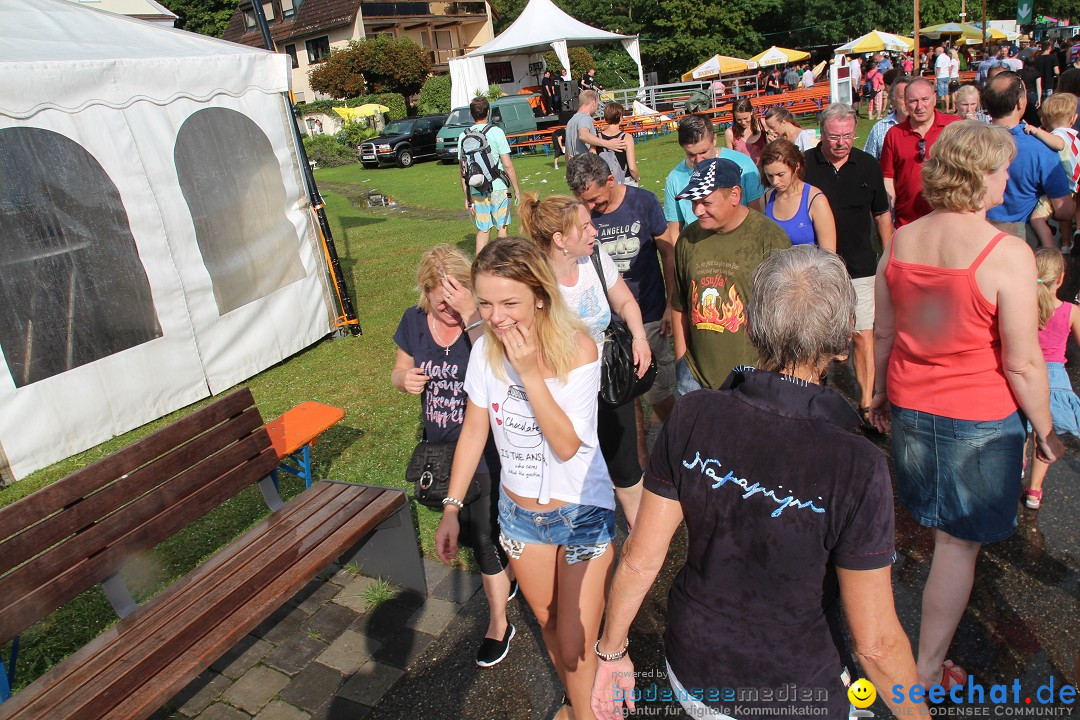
(394, 101)
(435, 96)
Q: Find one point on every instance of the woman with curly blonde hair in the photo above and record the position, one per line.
(958, 368)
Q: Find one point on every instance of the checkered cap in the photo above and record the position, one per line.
(709, 175)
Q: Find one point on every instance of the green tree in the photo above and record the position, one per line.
(686, 32)
(435, 96)
(382, 64)
(580, 61)
(206, 17)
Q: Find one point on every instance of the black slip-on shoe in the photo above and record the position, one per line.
(492, 652)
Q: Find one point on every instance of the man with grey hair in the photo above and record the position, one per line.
(906, 148)
(630, 227)
(853, 184)
(581, 129)
(876, 138)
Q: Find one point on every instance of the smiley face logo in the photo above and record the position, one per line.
(862, 693)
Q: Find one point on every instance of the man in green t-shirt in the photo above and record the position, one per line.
(715, 258)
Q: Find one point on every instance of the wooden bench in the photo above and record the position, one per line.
(79, 531)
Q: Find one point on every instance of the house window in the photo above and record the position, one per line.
(249, 19)
(268, 10)
(500, 72)
(290, 50)
(287, 9)
(318, 49)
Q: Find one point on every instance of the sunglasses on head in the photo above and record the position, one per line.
(920, 150)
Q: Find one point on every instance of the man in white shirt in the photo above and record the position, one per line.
(941, 72)
(808, 78)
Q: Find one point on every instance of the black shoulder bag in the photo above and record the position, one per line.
(619, 383)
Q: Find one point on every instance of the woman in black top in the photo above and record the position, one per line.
(1030, 76)
(1046, 63)
(433, 347)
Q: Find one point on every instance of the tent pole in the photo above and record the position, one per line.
(314, 196)
(918, 43)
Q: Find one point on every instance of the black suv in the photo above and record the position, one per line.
(402, 142)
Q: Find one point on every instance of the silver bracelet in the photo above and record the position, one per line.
(453, 501)
(611, 657)
(478, 323)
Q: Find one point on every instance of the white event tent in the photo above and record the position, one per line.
(156, 239)
(542, 26)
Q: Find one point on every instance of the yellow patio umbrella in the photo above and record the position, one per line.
(954, 29)
(876, 41)
(363, 111)
(779, 56)
(716, 66)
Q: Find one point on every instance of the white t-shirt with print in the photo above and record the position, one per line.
(529, 467)
(586, 297)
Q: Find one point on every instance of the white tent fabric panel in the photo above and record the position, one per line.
(182, 166)
(467, 75)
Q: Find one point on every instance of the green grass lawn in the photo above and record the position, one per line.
(379, 250)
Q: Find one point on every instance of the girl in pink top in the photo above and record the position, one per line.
(1056, 320)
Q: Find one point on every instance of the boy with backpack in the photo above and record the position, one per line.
(486, 173)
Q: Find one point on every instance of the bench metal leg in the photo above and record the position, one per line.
(7, 675)
(391, 552)
(268, 486)
(301, 457)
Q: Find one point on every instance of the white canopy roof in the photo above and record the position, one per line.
(76, 50)
(542, 26)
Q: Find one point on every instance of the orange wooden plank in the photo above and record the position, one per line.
(301, 425)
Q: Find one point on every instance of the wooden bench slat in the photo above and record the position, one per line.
(69, 489)
(177, 675)
(281, 552)
(80, 514)
(35, 603)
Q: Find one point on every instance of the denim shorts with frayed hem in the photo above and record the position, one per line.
(584, 530)
(960, 476)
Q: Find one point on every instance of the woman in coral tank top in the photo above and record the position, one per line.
(958, 367)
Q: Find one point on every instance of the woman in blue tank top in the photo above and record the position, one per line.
(800, 209)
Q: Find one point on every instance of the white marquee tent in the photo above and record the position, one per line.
(156, 243)
(542, 26)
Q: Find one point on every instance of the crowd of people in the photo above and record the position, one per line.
(755, 272)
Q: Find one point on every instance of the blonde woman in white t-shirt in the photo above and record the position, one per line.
(562, 228)
(532, 381)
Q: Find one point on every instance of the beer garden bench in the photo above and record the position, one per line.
(78, 532)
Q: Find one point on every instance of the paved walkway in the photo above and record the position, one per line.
(325, 655)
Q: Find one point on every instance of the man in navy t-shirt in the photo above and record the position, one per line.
(631, 229)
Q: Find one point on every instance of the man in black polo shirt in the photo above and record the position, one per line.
(852, 182)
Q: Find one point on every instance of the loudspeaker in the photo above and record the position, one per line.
(651, 79)
(569, 96)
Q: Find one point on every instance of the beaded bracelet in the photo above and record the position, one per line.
(453, 501)
(611, 657)
(478, 323)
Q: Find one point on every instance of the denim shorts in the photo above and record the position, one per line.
(584, 530)
(960, 476)
(685, 382)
